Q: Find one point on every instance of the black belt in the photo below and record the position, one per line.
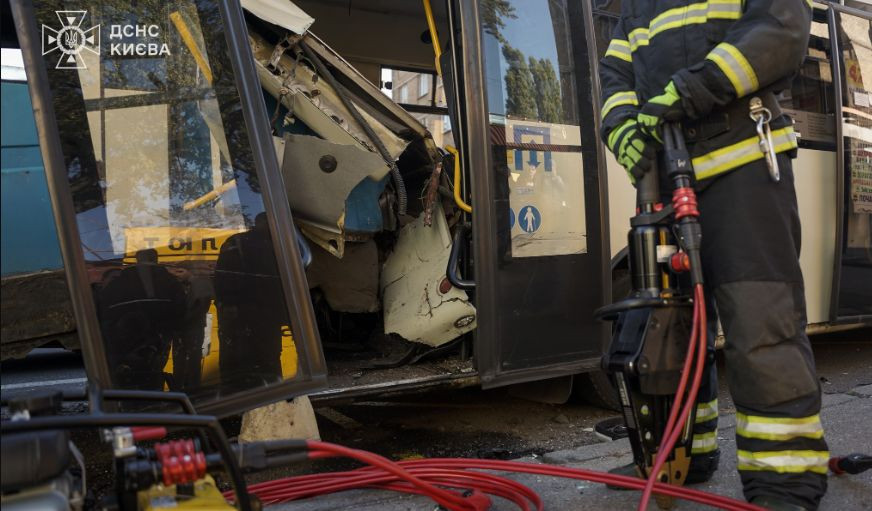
(721, 120)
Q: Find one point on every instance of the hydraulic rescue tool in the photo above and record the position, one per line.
(650, 358)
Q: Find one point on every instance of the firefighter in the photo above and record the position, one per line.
(715, 67)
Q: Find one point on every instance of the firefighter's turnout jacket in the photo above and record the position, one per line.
(720, 54)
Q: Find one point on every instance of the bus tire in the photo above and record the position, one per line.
(596, 389)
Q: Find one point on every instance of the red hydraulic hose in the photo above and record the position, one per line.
(671, 436)
(421, 477)
(475, 502)
(685, 376)
(283, 490)
(589, 475)
(293, 488)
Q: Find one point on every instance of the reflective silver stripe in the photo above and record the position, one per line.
(638, 37)
(680, 18)
(784, 461)
(619, 49)
(729, 9)
(706, 411)
(704, 442)
(737, 68)
(691, 14)
(617, 99)
(740, 153)
(778, 429)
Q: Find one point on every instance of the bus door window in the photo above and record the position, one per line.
(532, 95)
(167, 198)
(810, 100)
(854, 282)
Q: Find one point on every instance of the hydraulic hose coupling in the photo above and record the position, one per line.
(181, 462)
(684, 203)
(851, 464)
(679, 262)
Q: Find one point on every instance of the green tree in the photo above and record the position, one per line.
(493, 16)
(547, 88)
(520, 92)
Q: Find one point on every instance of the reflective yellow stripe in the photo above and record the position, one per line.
(811, 419)
(784, 461)
(778, 429)
(617, 99)
(704, 442)
(682, 16)
(737, 68)
(741, 153)
(619, 49)
(706, 411)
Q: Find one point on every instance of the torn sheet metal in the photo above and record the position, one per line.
(320, 175)
(280, 12)
(378, 100)
(325, 182)
(414, 307)
(350, 284)
(329, 239)
(314, 102)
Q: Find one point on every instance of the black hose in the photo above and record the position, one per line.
(454, 259)
(402, 199)
(610, 312)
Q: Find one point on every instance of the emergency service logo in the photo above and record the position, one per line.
(71, 39)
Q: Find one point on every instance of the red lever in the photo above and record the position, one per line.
(148, 433)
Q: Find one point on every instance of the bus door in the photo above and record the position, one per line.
(175, 233)
(852, 273)
(540, 245)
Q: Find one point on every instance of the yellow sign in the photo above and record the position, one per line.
(210, 373)
(174, 244)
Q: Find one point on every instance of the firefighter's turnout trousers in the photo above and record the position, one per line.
(721, 55)
(750, 254)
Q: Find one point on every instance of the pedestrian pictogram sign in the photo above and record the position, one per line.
(529, 219)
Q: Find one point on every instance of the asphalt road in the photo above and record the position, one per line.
(51, 368)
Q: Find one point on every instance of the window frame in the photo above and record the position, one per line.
(312, 372)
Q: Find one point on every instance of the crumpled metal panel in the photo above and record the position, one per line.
(320, 175)
(280, 12)
(414, 307)
(314, 102)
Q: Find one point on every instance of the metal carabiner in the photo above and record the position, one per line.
(761, 116)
